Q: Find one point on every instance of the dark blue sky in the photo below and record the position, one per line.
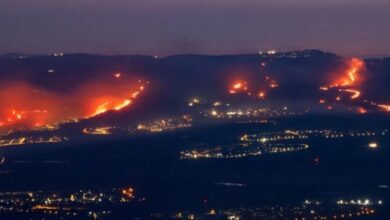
(164, 27)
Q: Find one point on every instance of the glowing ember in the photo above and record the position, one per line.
(135, 94)
(355, 93)
(240, 86)
(101, 109)
(385, 108)
(362, 110)
(125, 103)
(237, 86)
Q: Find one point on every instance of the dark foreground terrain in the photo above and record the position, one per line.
(336, 176)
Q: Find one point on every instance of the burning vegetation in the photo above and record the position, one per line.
(348, 82)
(26, 106)
(350, 77)
(258, 87)
(239, 86)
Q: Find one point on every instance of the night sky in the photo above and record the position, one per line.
(165, 27)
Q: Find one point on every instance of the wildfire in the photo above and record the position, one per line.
(125, 103)
(355, 93)
(350, 76)
(385, 108)
(26, 106)
(348, 82)
(362, 110)
(258, 91)
(239, 86)
(113, 104)
(348, 79)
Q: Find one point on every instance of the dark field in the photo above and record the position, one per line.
(347, 168)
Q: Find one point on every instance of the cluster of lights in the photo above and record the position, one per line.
(166, 124)
(98, 130)
(310, 209)
(261, 113)
(240, 150)
(272, 142)
(61, 204)
(30, 140)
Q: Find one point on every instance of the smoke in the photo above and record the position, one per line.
(23, 105)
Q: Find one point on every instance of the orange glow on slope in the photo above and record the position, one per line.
(239, 86)
(385, 108)
(350, 76)
(125, 103)
(258, 90)
(26, 106)
(348, 82)
(362, 110)
(107, 102)
(355, 93)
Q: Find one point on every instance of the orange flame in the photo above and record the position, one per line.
(385, 108)
(239, 86)
(26, 106)
(350, 77)
(355, 93)
(362, 110)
